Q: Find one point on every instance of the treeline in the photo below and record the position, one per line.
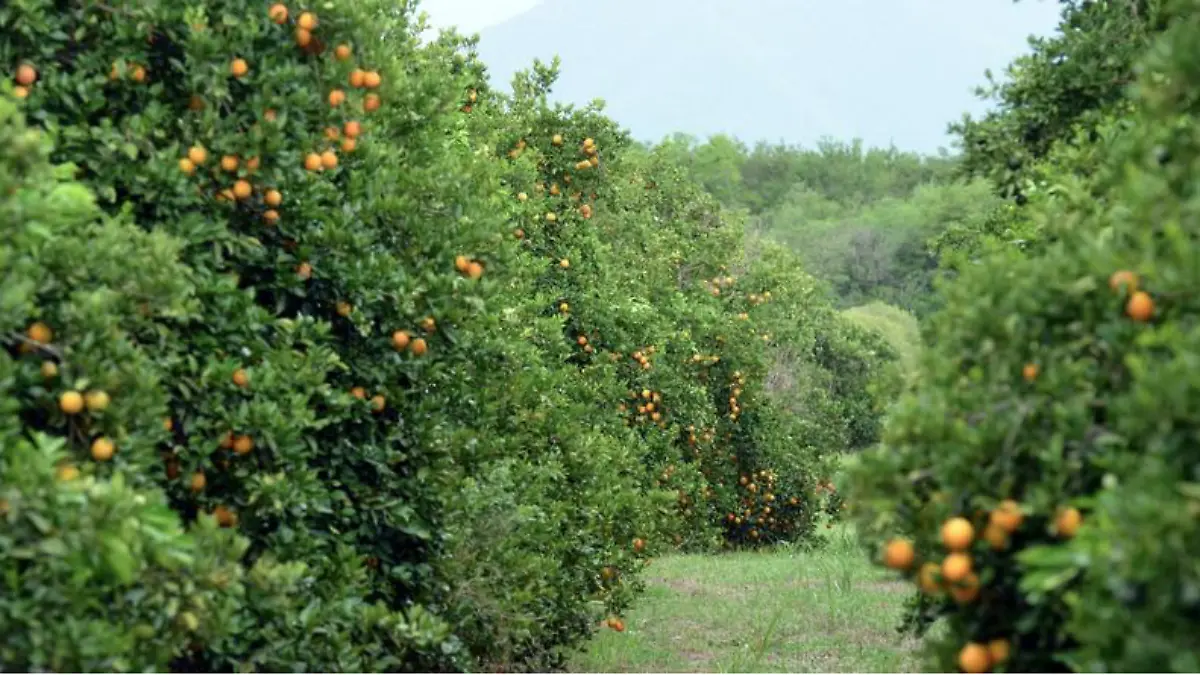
(321, 356)
(1038, 485)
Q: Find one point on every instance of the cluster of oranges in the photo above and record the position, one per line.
(1139, 306)
(642, 357)
(25, 77)
(956, 572)
(472, 269)
(644, 408)
(715, 284)
(736, 382)
(761, 509)
(585, 344)
(591, 155)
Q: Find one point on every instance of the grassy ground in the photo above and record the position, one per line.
(780, 611)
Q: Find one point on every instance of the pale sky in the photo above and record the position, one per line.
(472, 16)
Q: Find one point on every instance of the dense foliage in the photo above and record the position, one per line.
(1039, 484)
(320, 356)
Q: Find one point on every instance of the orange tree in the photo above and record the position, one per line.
(1039, 485)
(316, 346)
(635, 258)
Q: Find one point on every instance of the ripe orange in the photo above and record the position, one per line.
(342, 52)
(616, 624)
(1007, 516)
(307, 21)
(357, 76)
(243, 445)
(1123, 278)
(312, 161)
(242, 189)
(999, 651)
(899, 554)
(564, 263)
(331, 133)
(474, 270)
(995, 536)
(21, 92)
(168, 424)
(927, 578)
(102, 449)
(278, 13)
(241, 378)
(304, 270)
(273, 198)
(225, 517)
(1140, 306)
(519, 233)
(227, 441)
(428, 324)
(349, 145)
(551, 216)
(270, 216)
(358, 393)
(974, 658)
(966, 590)
(639, 545)
(329, 160)
(352, 129)
(229, 163)
(49, 369)
(39, 333)
(1067, 522)
(585, 211)
(957, 534)
(371, 102)
(521, 196)
(557, 140)
(303, 37)
(461, 263)
(401, 340)
(337, 97)
(197, 154)
(372, 79)
(97, 401)
(378, 403)
(344, 309)
(239, 67)
(419, 347)
(956, 567)
(71, 402)
(198, 482)
(1030, 372)
(139, 74)
(26, 75)
(252, 164)
(67, 473)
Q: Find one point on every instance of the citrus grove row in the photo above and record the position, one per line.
(321, 356)
(1040, 485)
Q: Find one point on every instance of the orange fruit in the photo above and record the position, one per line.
(243, 445)
(304, 270)
(419, 347)
(1140, 306)
(67, 473)
(428, 324)
(71, 402)
(474, 270)
(371, 102)
(639, 545)
(241, 378)
(337, 97)
(307, 21)
(252, 164)
(342, 52)
(966, 590)
(557, 140)
(344, 309)
(39, 333)
(519, 233)
(999, 651)
(956, 567)
(1030, 372)
(97, 401)
(271, 216)
(357, 76)
(312, 161)
(974, 658)
(225, 517)
(564, 263)
(278, 13)
(372, 79)
(1067, 522)
(21, 92)
(957, 534)
(352, 129)
(401, 340)
(49, 369)
(197, 154)
(1007, 516)
(198, 482)
(26, 75)
(378, 403)
(585, 211)
(273, 198)
(331, 133)
(521, 196)
(617, 625)
(168, 424)
(303, 37)
(899, 554)
(229, 163)
(239, 67)
(270, 115)
(995, 536)
(102, 449)
(358, 393)
(227, 440)
(1123, 278)
(927, 578)
(242, 189)
(329, 160)
(461, 263)
(139, 74)
(349, 145)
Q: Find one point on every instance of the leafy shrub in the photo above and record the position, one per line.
(1045, 469)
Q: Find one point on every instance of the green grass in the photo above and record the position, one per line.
(788, 611)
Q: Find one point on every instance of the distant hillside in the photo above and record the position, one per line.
(885, 71)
